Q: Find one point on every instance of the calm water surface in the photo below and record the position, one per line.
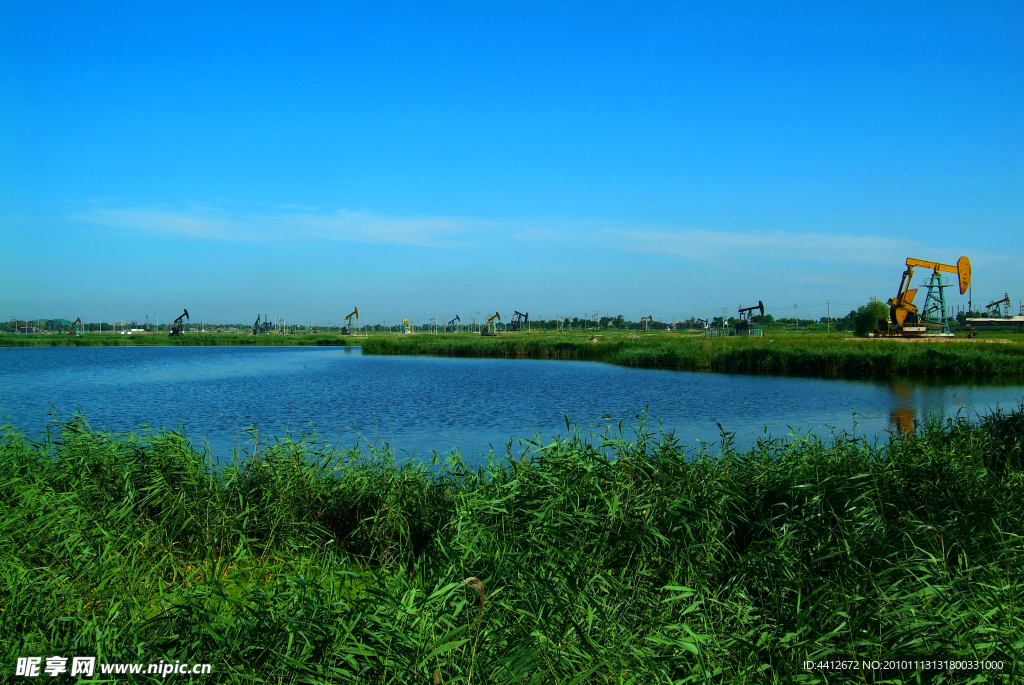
(419, 404)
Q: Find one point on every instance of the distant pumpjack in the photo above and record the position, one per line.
(177, 328)
(261, 328)
(450, 326)
(745, 313)
(348, 321)
(993, 307)
(519, 322)
(488, 328)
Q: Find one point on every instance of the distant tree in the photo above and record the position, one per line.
(866, 317)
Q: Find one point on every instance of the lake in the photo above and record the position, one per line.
(420, 404)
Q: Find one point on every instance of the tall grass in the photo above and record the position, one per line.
(614, 557)
(803, 356)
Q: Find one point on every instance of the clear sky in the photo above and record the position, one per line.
(554, 158)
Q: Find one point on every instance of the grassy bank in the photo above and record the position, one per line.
(598, 559)
(200, 339)
(808, 355)
(779, 352)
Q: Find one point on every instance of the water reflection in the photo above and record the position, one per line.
(903, 416)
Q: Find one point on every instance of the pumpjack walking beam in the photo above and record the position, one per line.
(747, 310)
(745, 313)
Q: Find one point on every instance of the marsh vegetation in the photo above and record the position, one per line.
(783, 353)
(614, 556)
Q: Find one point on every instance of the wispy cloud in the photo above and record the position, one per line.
(159, 221)
(338, 226)
(726, 249)
(722, 248)
(373, 228)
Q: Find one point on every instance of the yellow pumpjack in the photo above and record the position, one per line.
(902, 306)
(488, 328)
(346, 330)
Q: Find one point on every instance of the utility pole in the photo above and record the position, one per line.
(828, 326)
(796, 311)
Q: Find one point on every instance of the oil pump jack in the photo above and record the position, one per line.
(261, 328)
(743, 324)
(75, 328)
(646, 323)
(450, 326)
(488, 328)
(348, 321)
(933, 316)
(177, 328)
(993, 307)
(519, 322)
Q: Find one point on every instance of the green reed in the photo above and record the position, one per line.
(798, 355)
(609, 557)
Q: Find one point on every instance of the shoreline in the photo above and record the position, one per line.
(777, 353)
(848, 358)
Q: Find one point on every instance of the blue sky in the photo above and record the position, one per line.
(298, 159)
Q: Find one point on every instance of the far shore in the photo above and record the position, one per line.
(993, 355)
